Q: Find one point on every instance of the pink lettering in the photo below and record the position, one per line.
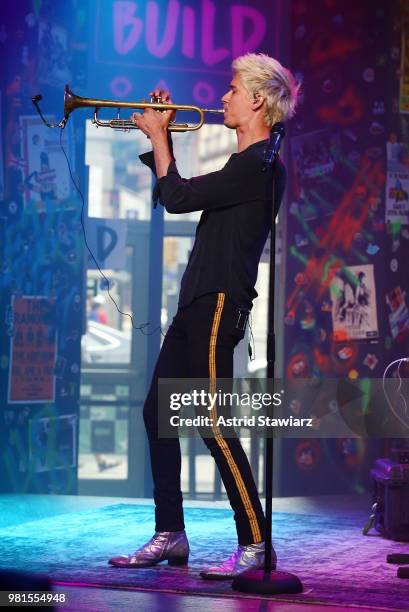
(161, 22)
(209, 53)
(160, 49)
(188, 32)
(123, 18)
(240, 14)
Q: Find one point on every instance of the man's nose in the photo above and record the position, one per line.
(225, 97)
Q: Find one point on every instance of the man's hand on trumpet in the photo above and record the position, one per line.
(151, 122)
(155, 126)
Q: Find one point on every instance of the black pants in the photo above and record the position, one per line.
(200, 344)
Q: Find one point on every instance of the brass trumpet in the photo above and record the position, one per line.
(71, 102)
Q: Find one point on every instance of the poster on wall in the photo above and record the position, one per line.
(353, 297)
(315, 154)
(52, 443)
(53, 55)
(397, 198)
(404, 75)
(398, 313)
(46, 176)
(397, 182)
(33, 350)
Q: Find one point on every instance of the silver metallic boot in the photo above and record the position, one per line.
(170, 546)
(245, 558)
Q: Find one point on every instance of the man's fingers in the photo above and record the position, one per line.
(149, 112)
(151, 121)
(135, 117)
(164, 94)
(138, 120)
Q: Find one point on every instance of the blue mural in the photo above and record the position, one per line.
(41, 251)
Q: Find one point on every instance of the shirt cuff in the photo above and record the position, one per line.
(161, 183)
(149, 160)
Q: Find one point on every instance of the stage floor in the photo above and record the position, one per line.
(320, 539)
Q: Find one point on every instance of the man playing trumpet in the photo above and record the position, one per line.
(216, 295)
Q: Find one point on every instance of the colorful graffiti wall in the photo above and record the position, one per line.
(347, 293)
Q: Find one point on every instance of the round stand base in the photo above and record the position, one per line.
(257, 581)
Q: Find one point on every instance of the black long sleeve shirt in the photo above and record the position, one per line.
(233, 228)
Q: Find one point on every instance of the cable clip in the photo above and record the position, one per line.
(242, 319)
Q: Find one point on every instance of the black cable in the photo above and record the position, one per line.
(126, 314)
(252, 353)
(35, 100)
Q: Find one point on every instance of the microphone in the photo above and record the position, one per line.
(271, 152)
(35, 100)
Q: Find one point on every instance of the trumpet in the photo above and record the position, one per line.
(72, 102)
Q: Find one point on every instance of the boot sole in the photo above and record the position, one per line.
(215, 576)
(222, 577)
(173, 561)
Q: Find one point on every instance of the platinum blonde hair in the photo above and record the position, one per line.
(265, 75)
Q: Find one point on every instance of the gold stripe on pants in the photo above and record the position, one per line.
(255, 529)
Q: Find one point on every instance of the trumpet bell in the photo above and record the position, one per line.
(71, 101)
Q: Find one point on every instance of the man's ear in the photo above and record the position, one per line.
(258, 100)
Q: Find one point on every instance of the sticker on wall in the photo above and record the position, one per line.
(295, 406)
(368, 75)
(345, 353)
(370, 361)
(397, 155)
(376, 128)
(398, 314)
(378, 107)
(394, 265)
(350, 451)
(354, 313)
(52, 443)
(404, 75)
(298, 366)
(372, 249)
(307, 454)
(397, 197)
(315, 154)
(46, 176)
(397, 181)
(33, 350)
(343, 356)
(300, 240)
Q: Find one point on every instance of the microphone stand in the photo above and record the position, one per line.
(265, 580)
